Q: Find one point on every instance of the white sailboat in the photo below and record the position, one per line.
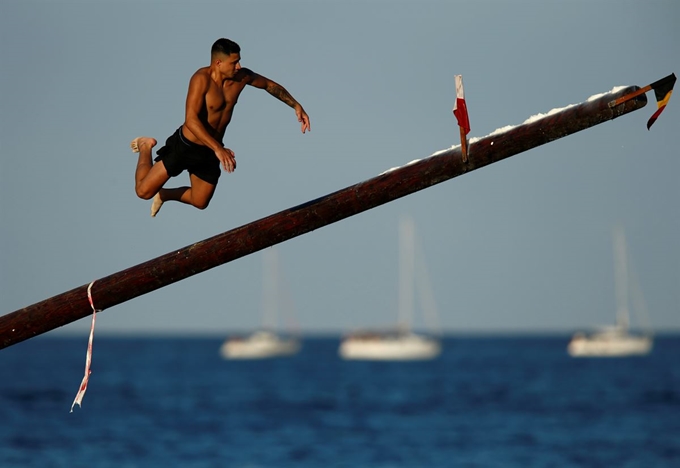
(264, 343)
(615, 341)
(402, 344)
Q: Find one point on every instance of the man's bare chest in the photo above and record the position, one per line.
(219, 100)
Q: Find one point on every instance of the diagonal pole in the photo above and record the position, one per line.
(179, 264)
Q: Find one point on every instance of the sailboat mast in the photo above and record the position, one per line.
(406, 269)
(621, 278)
(270, 293)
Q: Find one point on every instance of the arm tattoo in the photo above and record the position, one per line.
(281, 94)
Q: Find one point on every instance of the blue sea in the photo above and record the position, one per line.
(485, 402)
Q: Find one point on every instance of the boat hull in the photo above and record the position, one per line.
(609, 346)
(409, 348)
(257, 347)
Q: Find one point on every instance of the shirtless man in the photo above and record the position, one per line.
(197, 145)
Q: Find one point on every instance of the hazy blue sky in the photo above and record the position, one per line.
(522, 245)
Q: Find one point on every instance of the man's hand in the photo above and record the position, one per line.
(227, 158)
(303, 118)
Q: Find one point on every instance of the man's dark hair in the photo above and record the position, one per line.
(224, 46)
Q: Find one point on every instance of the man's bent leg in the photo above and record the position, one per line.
(198, 195)
(201, 192)
(149, 177)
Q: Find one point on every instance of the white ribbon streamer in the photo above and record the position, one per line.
(88, 359)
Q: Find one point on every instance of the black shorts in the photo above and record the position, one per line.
(180, 154)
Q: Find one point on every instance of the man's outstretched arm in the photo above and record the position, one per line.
(280, 93)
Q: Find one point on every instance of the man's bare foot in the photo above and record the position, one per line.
(138, 142)
(156, 204)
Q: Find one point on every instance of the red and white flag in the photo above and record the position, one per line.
(459, 107)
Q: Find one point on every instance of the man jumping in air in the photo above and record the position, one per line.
(197, 145)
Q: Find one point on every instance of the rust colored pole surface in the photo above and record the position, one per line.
(180, 264)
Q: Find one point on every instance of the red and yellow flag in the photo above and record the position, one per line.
(662, 90)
